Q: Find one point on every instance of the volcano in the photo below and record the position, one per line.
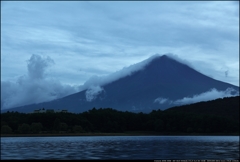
(162, 79)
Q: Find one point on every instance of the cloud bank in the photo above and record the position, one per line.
(127, 71)
(206, 96)
(110, 35)
(100, 81)
(180, 60)
(34, 87)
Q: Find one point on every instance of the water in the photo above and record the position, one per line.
(121, 147)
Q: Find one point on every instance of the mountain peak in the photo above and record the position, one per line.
(126, 71)
(155, 83)
(164, 61)
(164, 56)
(156, 61)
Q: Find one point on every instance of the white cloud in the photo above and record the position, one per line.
(92, 92)
(35, 87)
(183, 61)
(160, 100)
(206, 96)
(100, 81)
(37, 66)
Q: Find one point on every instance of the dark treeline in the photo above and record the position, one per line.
(212, 118)
(227, 107)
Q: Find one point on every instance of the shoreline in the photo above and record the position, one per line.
(113, 134)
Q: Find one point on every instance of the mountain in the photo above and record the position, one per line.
(162, 79)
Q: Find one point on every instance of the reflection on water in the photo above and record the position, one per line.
(121, 147)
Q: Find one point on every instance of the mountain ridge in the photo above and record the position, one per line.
(161, 76)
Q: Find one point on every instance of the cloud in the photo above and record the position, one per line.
(206, 96)
(37, 66)
(160, 100)
(100, 81)
(226, 73)
(34, 87)
(92, 93)
(196, 31)
(183, 61)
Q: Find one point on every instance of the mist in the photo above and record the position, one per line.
(92, 92)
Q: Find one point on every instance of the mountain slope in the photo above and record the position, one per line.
(226, 107)
(162, 77)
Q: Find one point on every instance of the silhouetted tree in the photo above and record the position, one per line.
(77, 129)
(63, 126)
(56, 125)
(24, 128)
(5, 129)
(36, 127)
(159, 125)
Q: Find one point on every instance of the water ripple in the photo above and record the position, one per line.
(121, 147)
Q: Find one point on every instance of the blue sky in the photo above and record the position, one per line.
(65, 43)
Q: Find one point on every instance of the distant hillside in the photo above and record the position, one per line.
(227, 107)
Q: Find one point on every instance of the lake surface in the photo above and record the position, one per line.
(121, 147)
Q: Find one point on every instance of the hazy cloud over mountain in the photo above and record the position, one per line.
(209, 95)
(160, 100)
(206, 96)
(35, 87)
(134, 89)
(125, 71)
(92, 92)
